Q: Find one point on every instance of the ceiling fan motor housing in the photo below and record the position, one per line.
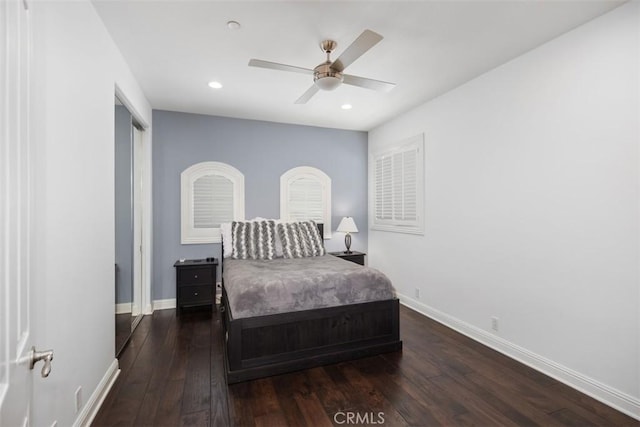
(326, 78)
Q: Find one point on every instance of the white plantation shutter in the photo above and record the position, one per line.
(212, 193)
(305, 194)
(212, 201)
(398, 190)
(305, 200)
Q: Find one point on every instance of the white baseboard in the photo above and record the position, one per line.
(127, 307)
(163, 304)
(148, 309)
(608, 395)
(123, 308)
(91, 408)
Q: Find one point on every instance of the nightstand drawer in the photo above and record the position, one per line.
(195, 276)
(196, 294)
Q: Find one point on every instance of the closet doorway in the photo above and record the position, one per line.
(128, 224)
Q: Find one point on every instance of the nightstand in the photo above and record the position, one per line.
(354, 256)
(195, 283)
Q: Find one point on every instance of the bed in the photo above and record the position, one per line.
(286, 313)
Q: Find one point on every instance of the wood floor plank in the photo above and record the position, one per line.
(569, 418)
(373, 400)
(173, 374)
(331, 395)
(196, 419)
(219, 396)
(197, 384)
(312, 410)
(219, 407)
(409, 394)
(444, 409)
(506, 404)
(478, 404)
(268, 404)
(286, 386)
(168, 413)
(241, 412)
(591, 405)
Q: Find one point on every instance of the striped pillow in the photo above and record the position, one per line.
(253, 240)
(300, 239)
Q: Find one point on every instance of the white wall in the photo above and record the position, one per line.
(77, 70)
(532, 208)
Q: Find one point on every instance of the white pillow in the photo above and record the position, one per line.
(225, 231)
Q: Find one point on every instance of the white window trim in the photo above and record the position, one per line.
(311, 173)
(416, 227)
(190, 234)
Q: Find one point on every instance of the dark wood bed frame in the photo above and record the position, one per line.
(262, 346)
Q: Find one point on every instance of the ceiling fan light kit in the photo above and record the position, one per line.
(329, 75)
(326, 78)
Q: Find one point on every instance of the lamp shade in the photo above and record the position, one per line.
(347, 225)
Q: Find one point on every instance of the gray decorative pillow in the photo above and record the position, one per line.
(300, 239)
(311, 234)
(253, 240)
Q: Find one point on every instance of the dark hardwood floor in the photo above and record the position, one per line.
(172, 375)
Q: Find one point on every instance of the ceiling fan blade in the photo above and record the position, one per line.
(307, 95)
(367, 83)
(280, 67)
(359, 47)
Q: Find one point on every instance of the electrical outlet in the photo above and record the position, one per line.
(417, 293)
(494, 323)
(78, 398)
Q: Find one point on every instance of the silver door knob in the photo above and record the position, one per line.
(36, 356)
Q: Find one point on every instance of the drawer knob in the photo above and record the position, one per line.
(195, 294)
(195, 276)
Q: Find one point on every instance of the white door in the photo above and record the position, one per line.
(16, 215)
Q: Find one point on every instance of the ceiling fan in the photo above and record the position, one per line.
(329, 75)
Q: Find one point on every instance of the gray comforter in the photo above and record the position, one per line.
(261, 287)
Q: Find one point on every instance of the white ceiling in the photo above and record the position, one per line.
(175, 48)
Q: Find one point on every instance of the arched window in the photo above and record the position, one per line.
(211, 193)
(305, 193)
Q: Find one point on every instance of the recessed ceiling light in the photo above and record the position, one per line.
(215, 85)
(346, 106)
(233, 25)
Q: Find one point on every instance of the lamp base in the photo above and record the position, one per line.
(347, 243)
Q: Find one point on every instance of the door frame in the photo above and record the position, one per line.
(146, 219)
(16, 212)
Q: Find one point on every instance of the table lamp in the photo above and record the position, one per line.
(347, 226)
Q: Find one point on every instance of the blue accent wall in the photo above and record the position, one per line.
(262, 151)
